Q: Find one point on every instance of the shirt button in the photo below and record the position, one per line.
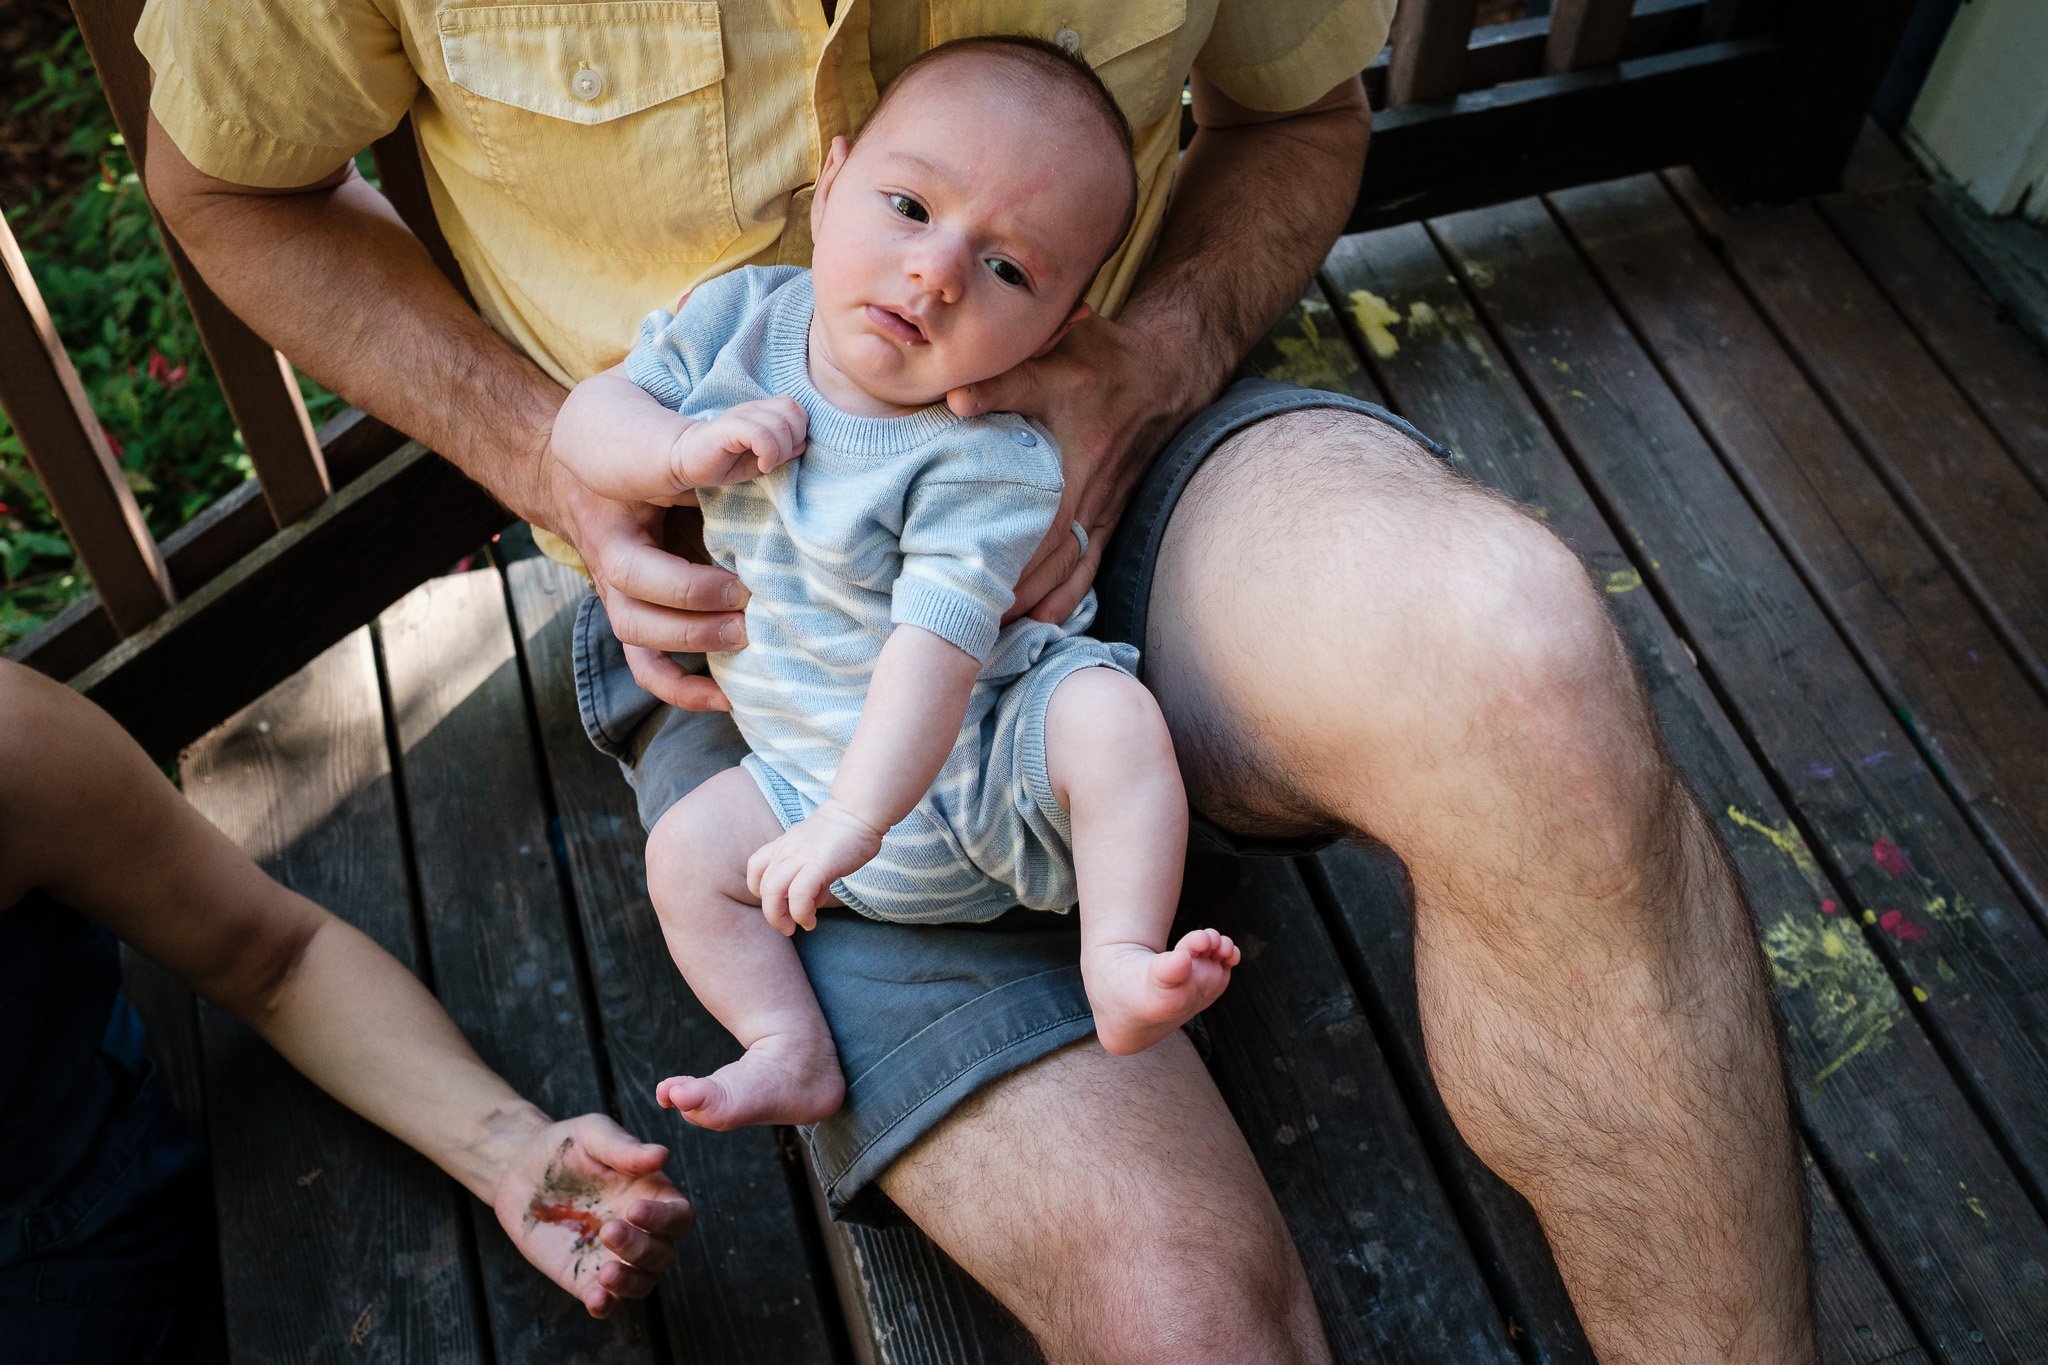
(587, 84)
(1069, 41)
(1022, 436)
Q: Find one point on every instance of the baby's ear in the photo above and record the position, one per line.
(1081, 310)
(835, 157)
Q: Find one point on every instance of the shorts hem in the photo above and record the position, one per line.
(916, 1085)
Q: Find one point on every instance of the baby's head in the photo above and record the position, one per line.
(956, 236)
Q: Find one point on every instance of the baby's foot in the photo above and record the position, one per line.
(782, 1078)
(1140, 996)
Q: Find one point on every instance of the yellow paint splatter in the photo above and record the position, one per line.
(1870, 916)
(1580, 394)
(1374, 315)
(1850, 998)
(1422, 318)
(1944, 971)
(1786, 840)
(1920, 994)
(1976, 1206)
(1623, 580)
(1480, 273)
(1560, 366)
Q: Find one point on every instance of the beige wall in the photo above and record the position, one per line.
(1982, 117)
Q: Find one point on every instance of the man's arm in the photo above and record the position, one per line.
(1258, 202)
(329, 274)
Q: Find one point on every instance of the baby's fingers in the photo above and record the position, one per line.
(806, 890)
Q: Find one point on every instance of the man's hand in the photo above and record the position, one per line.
(1111, 405)
(743, 442)
(793, 875)
(658, 602)
(587, 1204)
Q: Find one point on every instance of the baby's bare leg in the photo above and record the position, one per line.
(1112, 768)
(745, 972)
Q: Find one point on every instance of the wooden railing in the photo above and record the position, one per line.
(1764, 95)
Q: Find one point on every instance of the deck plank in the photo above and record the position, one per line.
(744, 1287)
(1819, 723)
(1451, 378)
(339, 1242)
(497, 930)
(2004, 375)
(1301, 1070)
(1922, 436)
(1941, 668)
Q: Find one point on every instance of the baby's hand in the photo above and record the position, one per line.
(745, 440)
(794, 874)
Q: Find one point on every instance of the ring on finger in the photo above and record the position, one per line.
(1080, 534)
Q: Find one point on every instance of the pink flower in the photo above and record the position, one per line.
(163, 372)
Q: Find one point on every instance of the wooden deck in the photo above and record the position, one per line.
(1809, 466)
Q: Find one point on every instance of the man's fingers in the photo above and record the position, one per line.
(1058, 559)
(670, 1218)
(1014, 390)
(605, 1140)
(663, 677)
(645, 572)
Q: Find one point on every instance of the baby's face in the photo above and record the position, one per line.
(952, 242)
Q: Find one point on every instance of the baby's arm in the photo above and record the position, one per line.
(916, 702)
(621, 441)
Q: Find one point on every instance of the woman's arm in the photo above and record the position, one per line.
(87, 819)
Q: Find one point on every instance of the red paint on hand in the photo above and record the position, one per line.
(1895, 923)
(584, 1221)
(1890, 858)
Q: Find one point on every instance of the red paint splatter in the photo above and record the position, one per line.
(1895, 923)
(1828, 907)
(584, 1221)
(1890, 858)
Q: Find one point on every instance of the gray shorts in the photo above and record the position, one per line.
(924, 1015)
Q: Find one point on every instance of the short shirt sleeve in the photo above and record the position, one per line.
(1276, 55)
(674, 350)
(967, 535)
(274, 93)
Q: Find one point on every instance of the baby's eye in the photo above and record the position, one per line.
(909, 208)
(1007, 272)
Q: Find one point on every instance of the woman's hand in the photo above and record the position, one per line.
(587, 1203)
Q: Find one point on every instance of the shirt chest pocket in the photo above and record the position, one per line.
(606, 121)
(1126, 42)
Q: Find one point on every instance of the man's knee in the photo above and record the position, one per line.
(1172, 1293)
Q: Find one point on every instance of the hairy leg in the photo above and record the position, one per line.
(1112, 768)
(1112, 1205)
(745, 972)
(1345, 636)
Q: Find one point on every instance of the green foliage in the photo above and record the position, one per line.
(95, 254)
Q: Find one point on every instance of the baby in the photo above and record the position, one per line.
(912, 758)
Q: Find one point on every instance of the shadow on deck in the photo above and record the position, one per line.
(1809, 466)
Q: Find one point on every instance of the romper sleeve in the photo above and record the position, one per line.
(674, 350)
(969, 528)
(274, 93)
(1277, 55)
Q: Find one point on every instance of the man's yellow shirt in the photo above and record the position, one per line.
(589, 162)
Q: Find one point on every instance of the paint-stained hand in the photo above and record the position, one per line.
(587, 1203)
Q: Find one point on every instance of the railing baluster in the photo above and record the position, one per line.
(404, 183)
(261, 391)
(69, 453)
(1428, 58)
(1584, 33)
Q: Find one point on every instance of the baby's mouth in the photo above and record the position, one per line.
(896, 327)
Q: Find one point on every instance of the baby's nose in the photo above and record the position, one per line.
(939, 267)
